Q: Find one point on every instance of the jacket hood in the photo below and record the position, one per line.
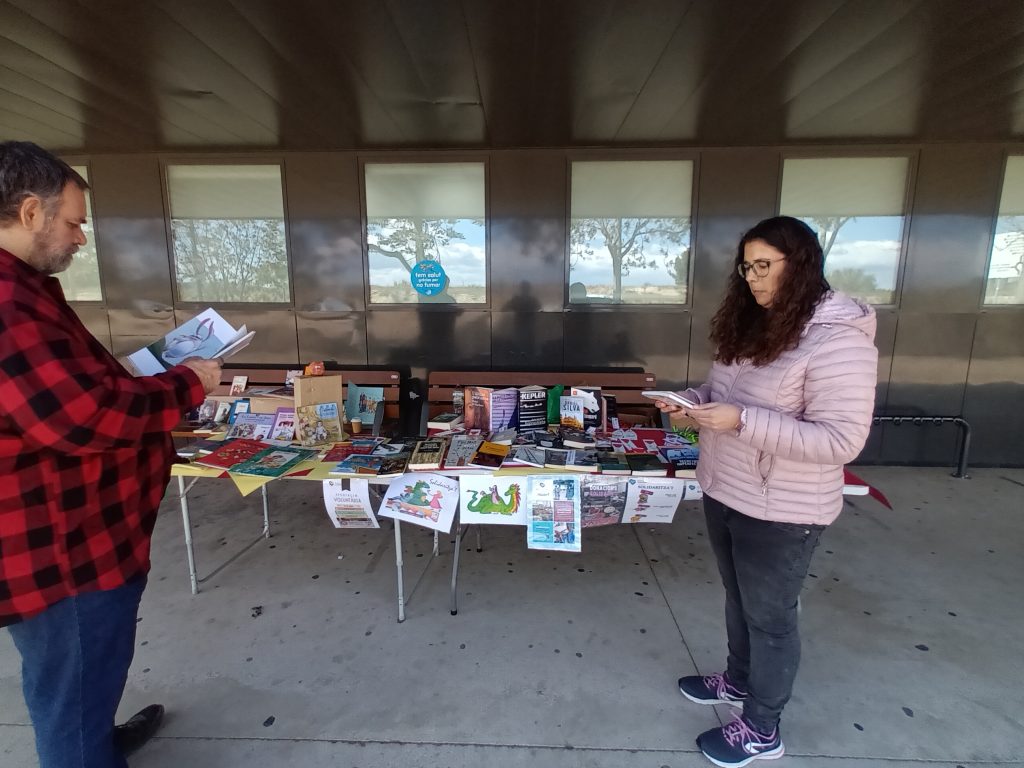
(837, 308)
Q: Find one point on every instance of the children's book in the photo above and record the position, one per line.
(358, 464)
(284, 425)
(652, 501)
(489, 455)
(533, 412)
(237, 407)
(207, 335)
(425, 499)
(553, 513)
(603, 500)
(231, 453)
(252, 426)
(238, 384)
(348, 503)
(273, 461)
(318, 424)
(492, 500)
(361, 402)
(428, 454)
(341, 451)
(461, 451)
(570, 412)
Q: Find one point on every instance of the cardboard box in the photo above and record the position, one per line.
(310, 390)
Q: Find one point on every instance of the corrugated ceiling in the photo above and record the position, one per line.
(111, 75)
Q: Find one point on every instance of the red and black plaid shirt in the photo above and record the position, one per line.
(85, 450)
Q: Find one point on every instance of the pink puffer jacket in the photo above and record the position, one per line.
(808, 413)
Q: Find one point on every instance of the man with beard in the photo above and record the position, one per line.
(85, 455)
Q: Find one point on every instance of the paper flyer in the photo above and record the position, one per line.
(422, 498)
(348, 503)
(492, 500)
(653, 500)
(553, 513)
(602, 499)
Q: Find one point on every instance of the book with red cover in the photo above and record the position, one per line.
(232, 453)
(342, 451)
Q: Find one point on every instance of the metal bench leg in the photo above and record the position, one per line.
(398, 565)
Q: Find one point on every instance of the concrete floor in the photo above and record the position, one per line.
(913, 627)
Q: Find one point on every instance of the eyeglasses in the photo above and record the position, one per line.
(760, 267)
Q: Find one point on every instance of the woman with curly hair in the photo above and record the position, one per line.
(788, 403)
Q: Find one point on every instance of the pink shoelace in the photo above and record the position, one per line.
(718, 684)
(738, 731)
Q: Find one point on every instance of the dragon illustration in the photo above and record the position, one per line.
(490, 503)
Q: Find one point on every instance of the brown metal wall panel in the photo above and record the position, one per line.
(325, 232)
(929, 375)
(955, 200)
(529, 339)
(995, 389)
(131, 237)
(418, 341)
(142, 323)
(737, 188)
(885, 340)
(655, 341)
(339, 336)
(94, 318)
(527, 207)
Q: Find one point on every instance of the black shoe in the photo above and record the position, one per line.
(138, 729)
(712, 689)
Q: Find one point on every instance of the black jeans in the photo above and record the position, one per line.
(763, 566)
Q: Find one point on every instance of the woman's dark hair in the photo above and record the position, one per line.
(27, 169)
(742, 329)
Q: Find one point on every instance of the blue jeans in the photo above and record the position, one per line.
(74, 664)
(763, 566)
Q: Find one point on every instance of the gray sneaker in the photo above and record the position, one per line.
(713, 689)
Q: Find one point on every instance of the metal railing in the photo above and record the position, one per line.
(925, 421)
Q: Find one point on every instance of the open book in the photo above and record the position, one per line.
(207, 335)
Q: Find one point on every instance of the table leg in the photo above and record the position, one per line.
(455, 565)
(187, 522)
(266, 512)
(398, 565)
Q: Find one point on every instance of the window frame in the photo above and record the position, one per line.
(224, 160)
(80, 162)
(636, 156)
(1008, 152)
(418, 158)
(847, 153)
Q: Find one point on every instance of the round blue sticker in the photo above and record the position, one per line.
(428, 277)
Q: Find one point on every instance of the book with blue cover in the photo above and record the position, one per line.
(361, 402)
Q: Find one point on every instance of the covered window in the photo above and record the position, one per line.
(629, 232)
(857, 206)
(227, 233)
(81, 281)
(1005, 284)
(425, 233)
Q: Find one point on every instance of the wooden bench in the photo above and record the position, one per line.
(626, 386)
(263, 375)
